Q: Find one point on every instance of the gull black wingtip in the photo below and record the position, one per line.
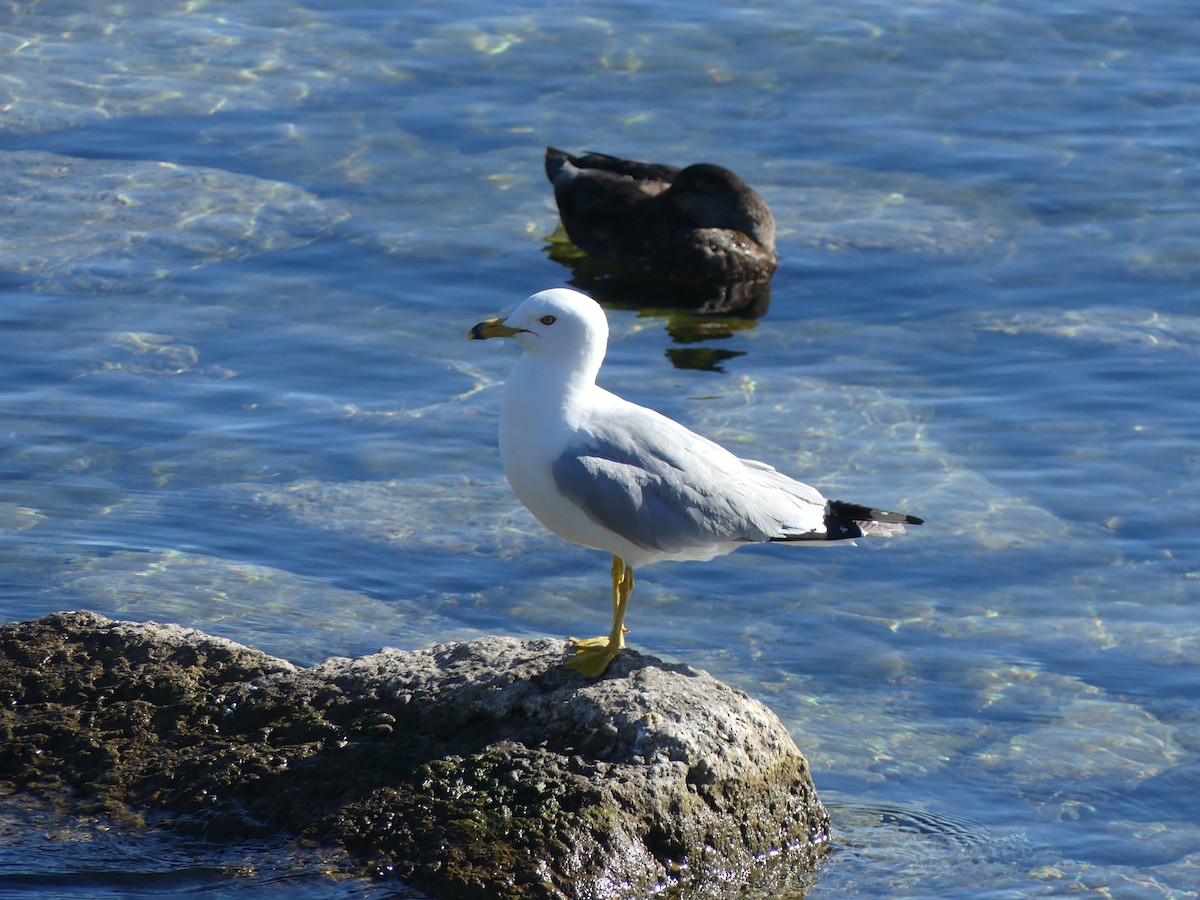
(852, 520)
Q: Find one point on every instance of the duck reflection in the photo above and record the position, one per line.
(694, 314)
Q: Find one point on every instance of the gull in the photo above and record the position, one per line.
(608, 474)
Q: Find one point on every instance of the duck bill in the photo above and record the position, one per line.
(492, 328)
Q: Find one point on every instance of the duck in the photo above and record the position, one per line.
(702, 223)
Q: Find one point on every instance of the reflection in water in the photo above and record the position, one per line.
(695, 311)
(694, 328)
(623, 289)
(704, 359)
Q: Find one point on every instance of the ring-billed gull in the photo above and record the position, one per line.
(606, 473)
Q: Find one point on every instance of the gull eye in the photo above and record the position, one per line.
(547, 320)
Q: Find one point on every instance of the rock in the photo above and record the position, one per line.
(480, 769)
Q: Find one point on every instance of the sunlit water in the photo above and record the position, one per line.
(240, 249)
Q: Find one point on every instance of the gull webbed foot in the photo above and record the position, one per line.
(592, 655)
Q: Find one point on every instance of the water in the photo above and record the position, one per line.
(240, 251)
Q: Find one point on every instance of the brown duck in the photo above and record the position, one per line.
(702, 223)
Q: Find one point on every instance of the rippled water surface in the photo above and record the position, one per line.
(240, 248)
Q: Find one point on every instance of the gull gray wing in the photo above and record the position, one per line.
(662, 487)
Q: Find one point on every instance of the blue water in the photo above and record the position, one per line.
(235, 391)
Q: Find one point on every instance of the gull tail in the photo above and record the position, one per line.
(852, 520)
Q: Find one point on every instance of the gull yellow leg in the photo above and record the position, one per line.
(592, 655)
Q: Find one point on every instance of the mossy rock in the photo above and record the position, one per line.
(481, 769)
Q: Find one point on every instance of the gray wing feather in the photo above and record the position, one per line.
(662, 487)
